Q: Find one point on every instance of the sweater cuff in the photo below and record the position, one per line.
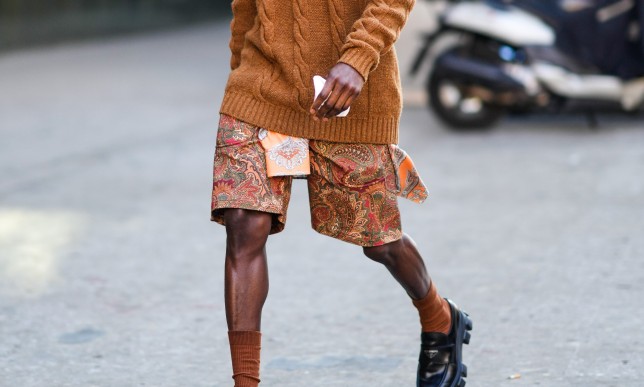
(360, 60)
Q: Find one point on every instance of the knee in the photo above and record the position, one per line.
(246, 220)
(383, 254)
(246, 232)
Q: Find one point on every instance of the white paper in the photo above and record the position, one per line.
(318, 84)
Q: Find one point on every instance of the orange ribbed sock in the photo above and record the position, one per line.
(434, 311)
(244, 351)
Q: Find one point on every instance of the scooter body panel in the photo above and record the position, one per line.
(509, 59)
(512, 25)
(568, 84)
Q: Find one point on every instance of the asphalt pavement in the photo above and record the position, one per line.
(111, 272)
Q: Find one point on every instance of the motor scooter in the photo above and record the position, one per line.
(534, 55)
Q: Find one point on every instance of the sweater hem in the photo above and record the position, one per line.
(282, 119)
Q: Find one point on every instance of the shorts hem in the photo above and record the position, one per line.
(365, 242)
(216, 215)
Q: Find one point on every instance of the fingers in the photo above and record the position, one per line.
(338, 104)
(330, 107)
(342, 104)
(321, 99)
(332, 102)
(343, 86)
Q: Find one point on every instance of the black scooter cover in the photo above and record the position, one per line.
(604, 44)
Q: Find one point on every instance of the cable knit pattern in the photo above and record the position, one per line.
(338, 32)
(267, 38)
(245, 11)
(266, 29)
(302, 38)
(277, 47)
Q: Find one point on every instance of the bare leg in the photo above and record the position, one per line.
(246, 282)
(444, 327)
(404, 262)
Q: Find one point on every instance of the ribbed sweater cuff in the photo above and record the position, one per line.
(360, 60)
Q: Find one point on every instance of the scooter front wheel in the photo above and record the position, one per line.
(459, 108)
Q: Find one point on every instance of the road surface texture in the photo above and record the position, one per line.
(111, 272)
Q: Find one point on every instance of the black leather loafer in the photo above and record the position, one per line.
(440, 363)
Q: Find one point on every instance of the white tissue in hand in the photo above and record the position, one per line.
(318, 84)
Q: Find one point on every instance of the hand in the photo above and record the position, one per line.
(343, 85)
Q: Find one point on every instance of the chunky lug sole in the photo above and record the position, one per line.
(463, 327)
(460, 330)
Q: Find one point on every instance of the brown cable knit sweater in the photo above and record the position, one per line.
(278, 45)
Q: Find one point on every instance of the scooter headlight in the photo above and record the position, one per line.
(507, 53)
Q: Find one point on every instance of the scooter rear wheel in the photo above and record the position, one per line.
(449, 100)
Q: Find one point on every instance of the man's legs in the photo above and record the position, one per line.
(251, 206)
(445, 328)
(353, 191)
(246, 289)
(405, 264)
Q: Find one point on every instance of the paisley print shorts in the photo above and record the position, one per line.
(353, 188)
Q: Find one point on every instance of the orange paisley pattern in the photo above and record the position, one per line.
(353, 188)
(239, 175)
